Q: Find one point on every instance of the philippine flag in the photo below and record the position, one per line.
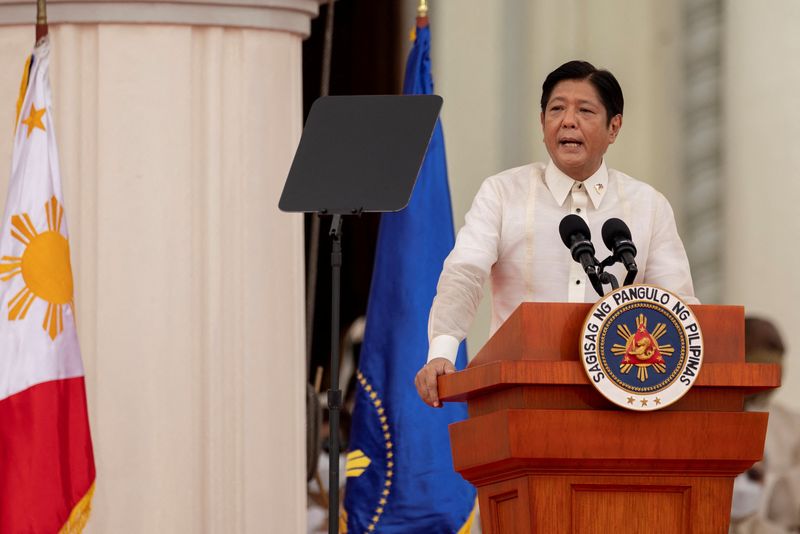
(47, 468)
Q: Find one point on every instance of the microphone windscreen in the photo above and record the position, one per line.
(571, 225)
(615, 229)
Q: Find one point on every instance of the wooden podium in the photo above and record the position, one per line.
(549, 454)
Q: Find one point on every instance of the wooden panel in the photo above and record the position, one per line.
(587, 398)
(539, 398)
(602, 509)
(723, 327)
(545, 331)
(721, 443)
(711, 504)
(505, 507)
(476, 381)
(503, 511)
(549, 331)
(576, 504)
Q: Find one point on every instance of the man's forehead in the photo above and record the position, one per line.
(581, 90)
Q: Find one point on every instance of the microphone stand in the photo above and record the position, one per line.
(630, 276)
(608, 278)
(594, 273)
(611, 260)
(599, 278)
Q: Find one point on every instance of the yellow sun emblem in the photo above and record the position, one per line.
(642, 348)
(44, 266)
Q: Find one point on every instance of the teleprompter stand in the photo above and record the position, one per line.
(356, 154)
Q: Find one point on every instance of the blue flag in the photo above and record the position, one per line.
(400, 475)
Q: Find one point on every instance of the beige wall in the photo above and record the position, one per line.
(175, 142)
(762, 112)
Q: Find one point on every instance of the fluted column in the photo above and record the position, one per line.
(761, 164)
(703, 150)
(177, 123)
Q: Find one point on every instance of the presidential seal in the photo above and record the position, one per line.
(642, 347)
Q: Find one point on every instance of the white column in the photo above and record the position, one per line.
(761, 167)
(177, 123)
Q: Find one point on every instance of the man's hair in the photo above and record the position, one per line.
(603, 81)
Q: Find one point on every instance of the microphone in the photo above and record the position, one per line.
(617, 238)
(577, 237)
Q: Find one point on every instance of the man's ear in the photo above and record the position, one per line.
(614, 127)
(541, 122)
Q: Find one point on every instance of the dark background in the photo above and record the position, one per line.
(366, 58)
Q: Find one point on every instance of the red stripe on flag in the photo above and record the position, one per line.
(46, 459)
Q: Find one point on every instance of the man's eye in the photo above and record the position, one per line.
(556, 108)
(586, 110)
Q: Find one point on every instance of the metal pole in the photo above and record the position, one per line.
(41, 19)
(334, 393)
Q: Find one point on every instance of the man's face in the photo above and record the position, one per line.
(575, 130)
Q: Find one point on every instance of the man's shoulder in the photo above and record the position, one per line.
(517, 175)
(633, 186)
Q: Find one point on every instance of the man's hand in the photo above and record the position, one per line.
(426, 380)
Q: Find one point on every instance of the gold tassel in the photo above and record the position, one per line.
(80, 514)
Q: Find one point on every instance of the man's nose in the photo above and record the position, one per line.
(569, 119)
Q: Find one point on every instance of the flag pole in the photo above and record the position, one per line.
(422, 13)
(41, 19)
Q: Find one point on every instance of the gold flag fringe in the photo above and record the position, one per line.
(467, 526)
(80, 514)
(23, 88)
